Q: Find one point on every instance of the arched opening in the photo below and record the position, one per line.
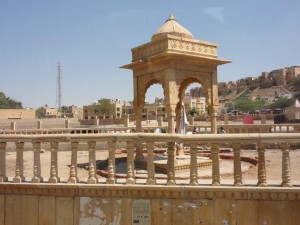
(193, 95)
(154, 108)
(194, 100)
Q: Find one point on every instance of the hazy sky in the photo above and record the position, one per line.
(93, 38)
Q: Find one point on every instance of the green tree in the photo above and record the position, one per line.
(194, 111)
(248, 105)
(295, 86)
(8, 103)
(282, 103)
(103, 107)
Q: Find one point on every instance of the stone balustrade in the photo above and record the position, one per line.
(203, 129)
(132, 140)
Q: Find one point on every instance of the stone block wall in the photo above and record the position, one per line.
(125, 205)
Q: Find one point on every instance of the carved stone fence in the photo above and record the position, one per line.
(134, 152)
(202, 129)
(28, 198)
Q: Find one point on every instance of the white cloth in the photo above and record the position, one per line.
(183, 122)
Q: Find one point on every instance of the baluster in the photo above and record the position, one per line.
(73, 169)
(130, 163)
(280, 128)
(37, 178)
(3, 176)
(171, 163)
(261, 166)
(286, 169)
(19, 163)
(151, 180)
(288, 128)
(194, 169)
(92, 163)
(54, 165)
(111, 169)
(215, 164)
(237, 164)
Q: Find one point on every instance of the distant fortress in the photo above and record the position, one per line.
(279, 77)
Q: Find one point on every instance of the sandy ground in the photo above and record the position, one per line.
(273, 165)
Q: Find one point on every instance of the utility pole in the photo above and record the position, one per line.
(58, 88)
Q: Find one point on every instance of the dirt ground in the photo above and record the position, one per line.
(273, 164)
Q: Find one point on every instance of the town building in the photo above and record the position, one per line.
(197, 104)
(104, 109)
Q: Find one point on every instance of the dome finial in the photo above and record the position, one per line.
(171, 17)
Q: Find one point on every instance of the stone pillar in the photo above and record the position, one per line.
(111, 179)
(37, 177)
(92, 163)
(191, 120)
(194, 169)
(286, 168)
(67, 124)
(130, 163)
(213, 117)
(237, 164)
(171, 99)
(215, 164)
(151, 180)
(160, 121)
(54, 166)
(40, 124)
(19, 163)
(126, 121)
(263, 119)
(138, 117)
(171, 164)
(3, 177)
(73, 169)
(214, 101)
(171, 119)
(226, 119)
(13, 125)
(261, 174)
(96, 121)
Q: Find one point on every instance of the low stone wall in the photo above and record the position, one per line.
(125, 205)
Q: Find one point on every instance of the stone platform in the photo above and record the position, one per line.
(181, 163)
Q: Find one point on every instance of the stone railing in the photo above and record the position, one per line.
(133, 141)
(203, 129)
(251, 128)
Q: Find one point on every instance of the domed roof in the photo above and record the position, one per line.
(171, 26)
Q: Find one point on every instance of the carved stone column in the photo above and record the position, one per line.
(19, 163)
(130, 163)
(150, 164)
(213, 117)
(261, 174)
(73, 169)
(237, 164)
(3, 177)
(214, 101)
(54, 166)
(138, 118)
(37, 177)
(111, 179)
(194, 169)
(171, 98)
(92, 163)
(171, 163)
(171, 118)
(286, 168)
(215, 164)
